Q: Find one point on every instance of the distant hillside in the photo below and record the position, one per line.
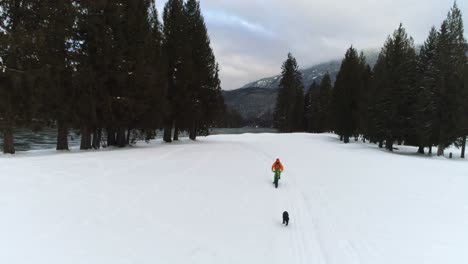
(314, 73)
(255, 104)
(256, 101)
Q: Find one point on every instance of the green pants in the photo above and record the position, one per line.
(277, 174)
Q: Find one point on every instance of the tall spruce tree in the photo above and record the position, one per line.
(324, 100)
(288, 116)
(395, 81)
(465, 112)
(56, 89)
(364, 97)
(425, 111)
(178, 51)
(19, 45)
(94, 68)
(450, 62)
(346, 96)
(317, 113)
(204, 86)
(311, 103)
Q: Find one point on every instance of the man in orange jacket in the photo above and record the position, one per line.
(277, 167)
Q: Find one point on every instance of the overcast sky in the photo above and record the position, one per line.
(251, 38)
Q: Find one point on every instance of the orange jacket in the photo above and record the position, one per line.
(277, 166)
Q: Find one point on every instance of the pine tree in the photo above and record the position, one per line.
(395, 81)
(178, 51)
(364, 97)
(311, 108)
(56, 89)
(346, 96)
(324, 100)
(288, 116)
(465, 112)
(425, 111)
(94, 68)
(19, 42)
(204, 86)
(450, 62)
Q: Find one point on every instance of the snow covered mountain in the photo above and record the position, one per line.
(255, 101)
(314, 73)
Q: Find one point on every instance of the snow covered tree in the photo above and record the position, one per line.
(288, 115)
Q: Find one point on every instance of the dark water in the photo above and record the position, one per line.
(26, 139)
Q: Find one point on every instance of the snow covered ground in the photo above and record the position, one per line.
(213, 201)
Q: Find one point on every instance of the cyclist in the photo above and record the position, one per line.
(277, 168)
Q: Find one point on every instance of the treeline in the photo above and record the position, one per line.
(417, 98)
(108, 68)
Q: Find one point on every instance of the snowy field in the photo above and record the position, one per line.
(213, 201)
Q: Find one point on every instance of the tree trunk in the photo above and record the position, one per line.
(381, 144)
(430, 150)
(389, 144)
(8, 142)
(62, 136)
(421, 150)
(176, 133)
(128, 136)
(341, 138)
(121, 139)
(193, 133)
(440, 150)
(97, 138)
(346, 139)
(111, 140)
(463, 148)
(85, 138)
(167, 134)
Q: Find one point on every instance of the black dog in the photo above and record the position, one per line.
(285, 218)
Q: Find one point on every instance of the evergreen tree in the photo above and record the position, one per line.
(289, 109)
(311, 108)
(346, 96)
(204, 85)
(19, 42)
(317, 112)
(465, 113)
(56, 90)
(395, 81)
(425, 112)
(324, 100)
(178, 52)
(450, 62)
(94, 68)
(364, 97)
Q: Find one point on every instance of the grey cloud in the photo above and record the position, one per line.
(252, 37)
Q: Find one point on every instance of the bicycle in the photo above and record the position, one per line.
(277, 177)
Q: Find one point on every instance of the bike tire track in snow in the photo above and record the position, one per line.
(306, 243)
